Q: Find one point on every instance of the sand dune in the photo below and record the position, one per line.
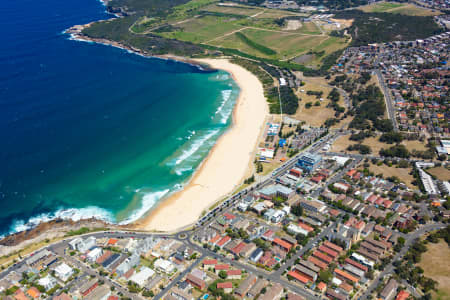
(226, 165)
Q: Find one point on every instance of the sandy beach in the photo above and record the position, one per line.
(227, 164)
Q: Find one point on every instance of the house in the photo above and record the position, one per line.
(257, 288)
(390, 290)
(234, 274)
(245, 286)
(345, 276)
(221, 267)
(33, 292)
(256, 255)
(164, 266)
(63, 296)
(100, 293)
(141, 277)
(195, 281)
(63, 271)
(47, 282)
(94, 254)
(179, 294)
(88, 287)
(322, 287)
(332, 294)
(314, 206)
(272, 293)
(226, 286)
(402, 295)
(282, 244)
(20, 295)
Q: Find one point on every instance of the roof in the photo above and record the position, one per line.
(402, 295)
(210, 261)
(282, 243)
(112, 241)
(222, 267)
(19, 295)
(225, 285)
(356, 264)
(345, 275)
(298, 276)
(223, 241)
(322, 256)
(321, 286)
(234, 272)
(33, 292)
(317, 262)
(328, 251)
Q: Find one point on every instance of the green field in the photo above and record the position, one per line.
(398, 8)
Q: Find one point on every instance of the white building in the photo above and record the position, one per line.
(164, 266)
(94, 254)
(142, 276)
(86, 244)
(63, 271)
(47, 282)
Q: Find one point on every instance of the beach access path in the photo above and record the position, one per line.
(228, 162)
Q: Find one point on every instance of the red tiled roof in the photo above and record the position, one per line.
(210, 261)
(221, 267)
(299, 277)
(234, 272)
(356, 264)
(318, 262)
(215, 239)
(402, 295)
(223, 241)
(112, 241)
(323, 257)
(328, 251)
(236, 250)
(322, 286)
(346, 275)
(282, 243)
(229, 216)
(305, 226)
(225, 285)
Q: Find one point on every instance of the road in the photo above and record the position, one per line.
(388, 98)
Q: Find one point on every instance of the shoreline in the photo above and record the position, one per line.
(204, 65)
(207, 186)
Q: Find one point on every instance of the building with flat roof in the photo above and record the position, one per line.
(309, 162)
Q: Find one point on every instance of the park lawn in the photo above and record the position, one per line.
(380, 7)
(399, 8)
(433, 266)
(441, 173)
(315, 115)
(202, 29)
(415, 145)
(235, 9)
(344, 141)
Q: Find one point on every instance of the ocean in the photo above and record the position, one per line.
(92, 130)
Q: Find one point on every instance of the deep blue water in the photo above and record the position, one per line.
(88, 129)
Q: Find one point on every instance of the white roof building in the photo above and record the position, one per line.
(94, 254)
(47, 282)
(63, 271)
(164, 265)
(142, 276)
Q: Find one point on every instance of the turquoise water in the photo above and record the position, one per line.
(92, 130)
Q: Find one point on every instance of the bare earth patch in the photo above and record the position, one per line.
(435, 263)
(293, 25)
(440, 172)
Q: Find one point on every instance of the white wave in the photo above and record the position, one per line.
(180, 171)
(74, 214)
(225, 97)
(195, 146)
(148, 201)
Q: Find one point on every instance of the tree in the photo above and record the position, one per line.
(223, 274)
(297, 210)
(325, 276)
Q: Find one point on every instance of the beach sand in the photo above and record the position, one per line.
(227, 164)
